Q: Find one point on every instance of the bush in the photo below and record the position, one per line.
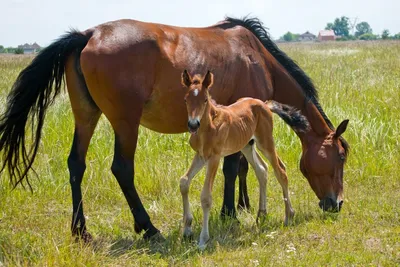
(346, 38)
(368, 36)
(19, 51)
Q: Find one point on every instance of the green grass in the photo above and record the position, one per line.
(359, 81)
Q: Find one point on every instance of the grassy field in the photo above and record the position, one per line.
(359, 81)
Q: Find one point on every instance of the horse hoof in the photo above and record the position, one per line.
(187, 234)
(228, 214)
(242, 207)
(82, 235)
(155, 237)
(137, 228)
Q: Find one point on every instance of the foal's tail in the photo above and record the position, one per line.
(32, 93)
(290, 115)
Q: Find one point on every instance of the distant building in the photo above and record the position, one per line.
(30, 49)
(307, 36)
(326, 35)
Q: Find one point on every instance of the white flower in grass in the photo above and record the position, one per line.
(290, 248)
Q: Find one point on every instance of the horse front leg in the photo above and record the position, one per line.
(230, 170)
(126, 134)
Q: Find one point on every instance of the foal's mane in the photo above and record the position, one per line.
(256, 27)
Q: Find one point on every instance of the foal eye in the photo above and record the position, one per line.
(342, 157)
(205, 101)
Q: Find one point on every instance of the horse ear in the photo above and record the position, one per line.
(208, 80)
(341, 128)
(186, 80)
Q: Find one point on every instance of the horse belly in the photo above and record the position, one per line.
(165, 112)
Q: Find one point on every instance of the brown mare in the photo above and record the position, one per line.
(218, 131)
(130, 70)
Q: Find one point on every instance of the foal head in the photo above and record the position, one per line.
(196, 98)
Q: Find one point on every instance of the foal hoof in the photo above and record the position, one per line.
(261, 216)
(202, 247)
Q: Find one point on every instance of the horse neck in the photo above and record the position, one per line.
(288, 91)
(209, 113)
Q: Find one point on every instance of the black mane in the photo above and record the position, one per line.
(256, 27)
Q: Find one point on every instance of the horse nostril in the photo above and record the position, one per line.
(193, 124)
(340, 204)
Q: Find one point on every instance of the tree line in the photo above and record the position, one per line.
(341, 27)
(11, 50)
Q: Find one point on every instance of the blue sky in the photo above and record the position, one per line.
(43, 21)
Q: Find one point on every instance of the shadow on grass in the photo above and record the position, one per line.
(229, 234)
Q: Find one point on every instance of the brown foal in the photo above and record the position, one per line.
(218, 131)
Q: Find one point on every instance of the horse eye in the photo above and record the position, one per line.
(185, 100)
(342, 157)
(205, 101)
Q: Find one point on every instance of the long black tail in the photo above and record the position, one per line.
(32, 93)
(290, 115)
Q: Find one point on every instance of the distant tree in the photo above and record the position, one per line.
(19, 51)
(396, 36)
(1, 49)
(340, 26)
(329, 26)
(290, 37)
(385, 34)
(362, 28)
(10, 49)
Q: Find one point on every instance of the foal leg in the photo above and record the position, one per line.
(126, 134)
(206, 199)
(185, 180)
(261, 170)
(280, 173)
(230, 170)
(243, 202)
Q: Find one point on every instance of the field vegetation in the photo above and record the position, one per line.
(359, 81)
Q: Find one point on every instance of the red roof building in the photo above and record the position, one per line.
(326, 35)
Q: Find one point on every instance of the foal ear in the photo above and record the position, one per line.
(208, 80)
(186, 79)
(341, 128)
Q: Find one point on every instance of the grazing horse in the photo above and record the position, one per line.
(130, 70)
(218, 131)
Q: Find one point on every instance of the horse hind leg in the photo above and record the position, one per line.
(243, 202)
(86, 116)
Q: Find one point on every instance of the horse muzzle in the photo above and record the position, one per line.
(193, 125)
(331, 205)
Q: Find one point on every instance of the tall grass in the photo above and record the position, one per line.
(359, 81)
